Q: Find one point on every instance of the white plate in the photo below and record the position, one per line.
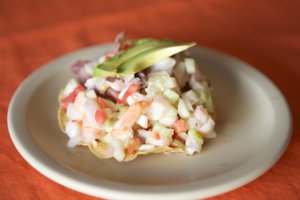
(253, 129)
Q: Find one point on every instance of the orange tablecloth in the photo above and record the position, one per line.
(265, 34)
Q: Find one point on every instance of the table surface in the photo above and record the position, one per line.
(265, 34)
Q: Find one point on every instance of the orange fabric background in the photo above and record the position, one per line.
(265, 34)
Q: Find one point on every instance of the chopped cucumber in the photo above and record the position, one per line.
(182, 135)
(182, 109)
(177, 143)
(171, 95)
(163, 131)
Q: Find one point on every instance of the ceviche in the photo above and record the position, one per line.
(142, 96)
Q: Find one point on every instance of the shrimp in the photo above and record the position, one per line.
(131, 115)
(206, 123)
(128, 119)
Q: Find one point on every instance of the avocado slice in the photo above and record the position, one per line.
(109, 67)
(103, 73)
(151, 56)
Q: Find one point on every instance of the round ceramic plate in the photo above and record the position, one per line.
(253, 126)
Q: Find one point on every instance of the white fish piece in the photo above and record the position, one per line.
(158, 107)
(201, 114)
(193, 142)
(207, 127)
(210, 135)
(187, 103)
(123, 135)
(79, 101)
(135, 97)
(116, 85)
(143, 121)
(90, 107)
(70, 87)
(118, 152)
(90, 83)
(127, 78)
(165, 64)
(89, 134)
(74, 141)
(158, 142)
(143, 133)
(146, 147)
(91, 94)
(192, 146)
(73, 129)
(182, 109)
(193, 123)
(73, 113)
(169, 117)
(96, 83)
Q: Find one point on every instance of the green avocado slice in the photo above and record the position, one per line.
(109, 67)
(151, 56)
(103, 73)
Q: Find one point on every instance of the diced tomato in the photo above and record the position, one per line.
(132, 88)
(179, 126)
(155, 135)
(134, 144)
(71, 98)
(100, 116)
(101, 102)
(78, 89)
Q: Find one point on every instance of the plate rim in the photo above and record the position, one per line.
(88, 185)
